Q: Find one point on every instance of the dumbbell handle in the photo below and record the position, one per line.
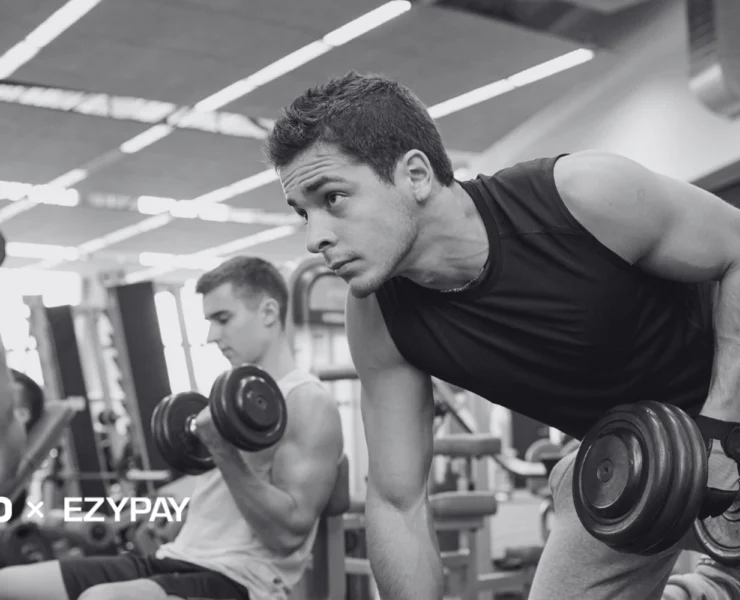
(191, 427)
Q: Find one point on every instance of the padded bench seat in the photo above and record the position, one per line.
(463, 505)
(467, 445)
(43, 438)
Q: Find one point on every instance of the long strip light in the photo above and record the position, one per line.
(211, 257)
(14, 191)
(137, 110)
(43, 35)
(503, 86)
(155, 222)
(292, 61)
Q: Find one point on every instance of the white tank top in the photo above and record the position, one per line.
(216, 536)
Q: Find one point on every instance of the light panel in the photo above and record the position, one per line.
(43, 35)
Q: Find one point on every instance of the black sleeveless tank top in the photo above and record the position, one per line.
(558, 327)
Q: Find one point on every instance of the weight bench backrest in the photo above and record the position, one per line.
(44, 436)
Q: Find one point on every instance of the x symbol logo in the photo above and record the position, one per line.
(35, 509)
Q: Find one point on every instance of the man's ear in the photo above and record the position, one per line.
(270, 310)
(416, 169)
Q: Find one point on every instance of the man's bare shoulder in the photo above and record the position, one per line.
(311, 405)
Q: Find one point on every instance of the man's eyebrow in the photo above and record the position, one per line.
(323, 180)
(217, 315)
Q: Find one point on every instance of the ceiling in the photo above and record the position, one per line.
(182, 51)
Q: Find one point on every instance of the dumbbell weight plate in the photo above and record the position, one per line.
(639, 477)
(23, 544)
(248, 408)
(182, 451)
(720, 536)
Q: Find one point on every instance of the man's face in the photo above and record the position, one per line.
(363, 226)
(239, 325)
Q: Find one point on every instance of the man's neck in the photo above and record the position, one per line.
(452, 246)
(279, 360)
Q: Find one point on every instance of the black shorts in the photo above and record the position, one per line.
(177, 578)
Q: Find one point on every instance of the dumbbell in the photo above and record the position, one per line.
(640, 479)
(23, 543)
(248, 411)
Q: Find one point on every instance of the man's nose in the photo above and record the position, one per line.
(213, 333)
(320, 238)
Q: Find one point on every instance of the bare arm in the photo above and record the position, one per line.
(398, 412)
(304, 469)
(671, 229)
(12, 433)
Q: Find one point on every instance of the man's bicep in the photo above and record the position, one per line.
(305, 464)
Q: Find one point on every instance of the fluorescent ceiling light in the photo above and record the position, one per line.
(69, 179)
(138, 110)
(180, 210)
(239, 187)
(146, 138)
(368, 22)
(44, 34)
(225, 96)
(207, 259)
(204, 208)
(498, 88)
(24, 250)
(154, 205)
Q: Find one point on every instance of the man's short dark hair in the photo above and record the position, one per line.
(372, 119)
(250, 276)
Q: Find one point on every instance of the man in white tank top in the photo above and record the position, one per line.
(251, 521)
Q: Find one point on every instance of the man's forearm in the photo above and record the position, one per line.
(403, 551)
(724, 394)
(269, 510)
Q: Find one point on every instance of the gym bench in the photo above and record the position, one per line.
(465, 512)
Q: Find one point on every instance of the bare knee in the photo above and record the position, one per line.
(41, 580)
(102, 591)
(126, 590)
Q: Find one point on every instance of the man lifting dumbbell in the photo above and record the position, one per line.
(559, 288)
(253, 513)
